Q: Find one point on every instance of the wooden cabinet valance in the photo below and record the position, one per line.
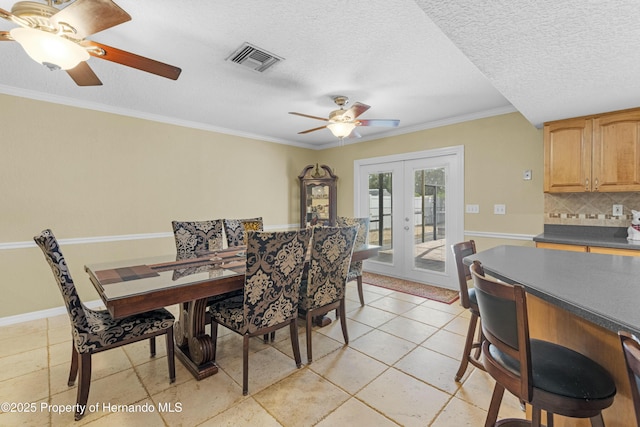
(594, 153)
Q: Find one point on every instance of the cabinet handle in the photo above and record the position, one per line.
(596, 182)
(586, 184)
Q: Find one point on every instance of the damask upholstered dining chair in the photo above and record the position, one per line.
(275, 261)
(468, 300)
(548, 376)
(94, 331)
(235, 229)
(193, 237)
(631, 350)
(355, 270)
(324, 288)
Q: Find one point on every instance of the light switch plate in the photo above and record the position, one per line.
(472, 209)
(499, 209)
(617, 210)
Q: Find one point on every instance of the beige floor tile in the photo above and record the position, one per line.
(302, 399)
(458, 413)
(321, 345)
(398, 374)
(383, 346)
(408, 297)
(348, 369)
(429, 315)
(404, 399)
(30, 387)
(34, 416)
(408, 329)
(247, 413)
(354, 329)
(393, 305)
(143, 413)
(58, 321)
(376, 289)
(60, 353)
(199, 400)
(453, 308)
(155, 374)
(140, 352)
(21, 343)
(265, 368)
(122, 388)
(59, 334)
(24, 328)
(23, 363)
(447, 343)
(459, 326)
(371, 316)
(477, 389)
(355, 413)
(432, 368)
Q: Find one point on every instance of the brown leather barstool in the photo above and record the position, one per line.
(548, 376)
(468, 301)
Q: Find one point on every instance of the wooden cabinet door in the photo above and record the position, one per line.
(567, 156)
(613, 251)
(616, 152)
(562, 247)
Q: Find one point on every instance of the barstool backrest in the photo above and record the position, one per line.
(506, 349)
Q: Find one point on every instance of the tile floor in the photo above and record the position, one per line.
(398, 369)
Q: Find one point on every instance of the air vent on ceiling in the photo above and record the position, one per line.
(254, 57)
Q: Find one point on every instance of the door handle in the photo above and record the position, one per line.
(406, 227)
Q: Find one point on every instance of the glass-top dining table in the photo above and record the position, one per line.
(135, 286)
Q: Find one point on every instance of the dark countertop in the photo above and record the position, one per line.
(603, 289)
(607, 237)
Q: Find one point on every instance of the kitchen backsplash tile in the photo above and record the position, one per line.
(589, 208)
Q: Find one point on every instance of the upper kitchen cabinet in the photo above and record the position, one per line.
(595, 153)
(616, 152)
(567, 156)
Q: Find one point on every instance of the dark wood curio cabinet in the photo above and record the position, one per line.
(318, 196)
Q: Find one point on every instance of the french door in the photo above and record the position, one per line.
(415, 207)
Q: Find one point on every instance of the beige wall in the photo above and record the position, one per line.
(85, 174)
(497, 151)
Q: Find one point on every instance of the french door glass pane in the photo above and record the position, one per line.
(429, 219)
(381, 215)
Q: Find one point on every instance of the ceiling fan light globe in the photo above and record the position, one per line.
(49, 49)
(341, 129)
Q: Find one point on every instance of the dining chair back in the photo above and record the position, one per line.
(324, 288)
(631, 350)
(548, 376)
(235, 229)
(362, 239)
(193, 237)
(270, 298)
(94, 331)
(468, 301)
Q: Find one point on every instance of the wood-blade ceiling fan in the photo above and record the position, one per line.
(342, 123)
(56, 37)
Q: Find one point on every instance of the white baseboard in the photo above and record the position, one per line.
(43, 314)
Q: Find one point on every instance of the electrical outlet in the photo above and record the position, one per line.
(499, 209)
(617, 210)
(472, 209)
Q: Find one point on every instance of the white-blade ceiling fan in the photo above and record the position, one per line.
(342, 123)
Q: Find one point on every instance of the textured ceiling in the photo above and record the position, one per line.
(551, 59)
(547, 60)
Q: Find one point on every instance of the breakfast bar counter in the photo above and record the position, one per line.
(580, 300)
